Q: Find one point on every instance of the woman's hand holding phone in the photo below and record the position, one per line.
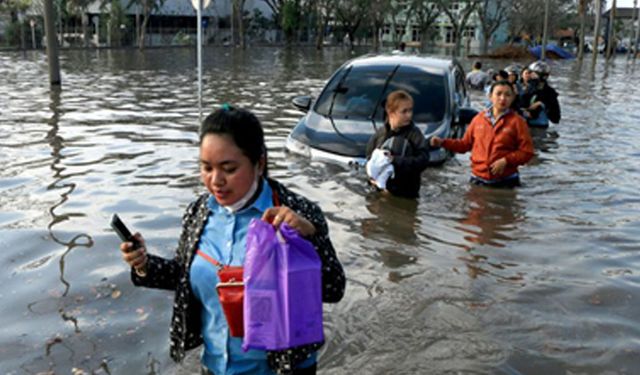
(132, 246)
(135, 256)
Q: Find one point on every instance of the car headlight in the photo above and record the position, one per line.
(297, 147)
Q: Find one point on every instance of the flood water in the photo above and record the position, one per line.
(540, 280)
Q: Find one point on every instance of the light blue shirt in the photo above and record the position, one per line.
(224, 239)
(488, 113)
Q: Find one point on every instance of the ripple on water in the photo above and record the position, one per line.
(537, 280)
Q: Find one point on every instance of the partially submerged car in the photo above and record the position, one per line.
(338, 125)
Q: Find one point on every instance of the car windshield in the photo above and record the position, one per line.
(355, 92)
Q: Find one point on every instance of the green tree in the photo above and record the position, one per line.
(147, 7)
(400, 12)
(323, 10)
(290, 19)
(350, 15)
(425, 13)
(79, 8)
(237, 23)
(14, 7)
(525, 17)
(258, 23)
(15, 29)
(276, 9)
(118, 22)
(492, 14)
(378, 12)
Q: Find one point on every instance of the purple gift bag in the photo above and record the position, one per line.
(283, 291)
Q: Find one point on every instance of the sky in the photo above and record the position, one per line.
(622, 3)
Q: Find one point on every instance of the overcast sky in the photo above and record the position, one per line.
(621, 3)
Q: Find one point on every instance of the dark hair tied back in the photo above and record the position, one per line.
(242, 126)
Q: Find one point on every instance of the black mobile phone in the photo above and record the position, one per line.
(123, 232)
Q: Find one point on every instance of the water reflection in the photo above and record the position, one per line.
(75, 344)
(492, 214)
(544, 140)
(123, 137)
(492, 218)
(393, 218)
(56, 143)
(396, 219)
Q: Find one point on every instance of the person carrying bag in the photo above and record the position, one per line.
(233, 161)
(283, 289)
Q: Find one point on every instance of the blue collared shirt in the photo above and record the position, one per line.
(224, 239)
(489, 114)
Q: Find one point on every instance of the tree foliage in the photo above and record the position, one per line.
(147, 7)
(13, 7)
(425, 13)
(350, 15)
(377, 14)
(458, 17)
(492, 14)
(526, 16)
(291, 19)
(323, 10)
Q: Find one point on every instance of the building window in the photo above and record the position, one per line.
(449, 35)
(415, 34)
(470, 32)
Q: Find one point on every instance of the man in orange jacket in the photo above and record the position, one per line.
(498, 139)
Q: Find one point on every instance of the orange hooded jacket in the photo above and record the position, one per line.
(509, 138)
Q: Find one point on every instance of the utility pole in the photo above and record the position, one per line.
(23, 44)
(109, 32)
(611, 34)
(96, 22)
(582, 9)
(32, 23)
(199, 41)
(545, 35)
(59, 17)
(634, 41)
(233, 23)
(199, 6)
(52, 45)
(596, 35)
(633, 21)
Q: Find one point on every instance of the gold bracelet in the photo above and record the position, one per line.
(141, 271)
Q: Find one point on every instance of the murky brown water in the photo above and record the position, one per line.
(543, 279)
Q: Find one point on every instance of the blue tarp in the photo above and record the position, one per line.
(551, 48)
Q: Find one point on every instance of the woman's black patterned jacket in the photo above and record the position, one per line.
(173, 274)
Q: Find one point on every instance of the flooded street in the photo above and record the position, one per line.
(544, 279)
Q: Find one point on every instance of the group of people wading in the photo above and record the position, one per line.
(498, 137)
(233, 169)
(535, 99)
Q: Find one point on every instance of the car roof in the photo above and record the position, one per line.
(431, 64)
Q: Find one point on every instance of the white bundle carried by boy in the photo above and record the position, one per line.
(379, 167)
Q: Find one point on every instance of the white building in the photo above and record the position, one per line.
(174, 22)
(441, 30)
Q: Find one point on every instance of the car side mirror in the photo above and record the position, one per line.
(465, 115)
(303, 103)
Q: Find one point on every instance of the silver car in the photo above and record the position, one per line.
(338, 125)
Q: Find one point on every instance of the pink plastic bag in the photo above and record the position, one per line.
(283, 290)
